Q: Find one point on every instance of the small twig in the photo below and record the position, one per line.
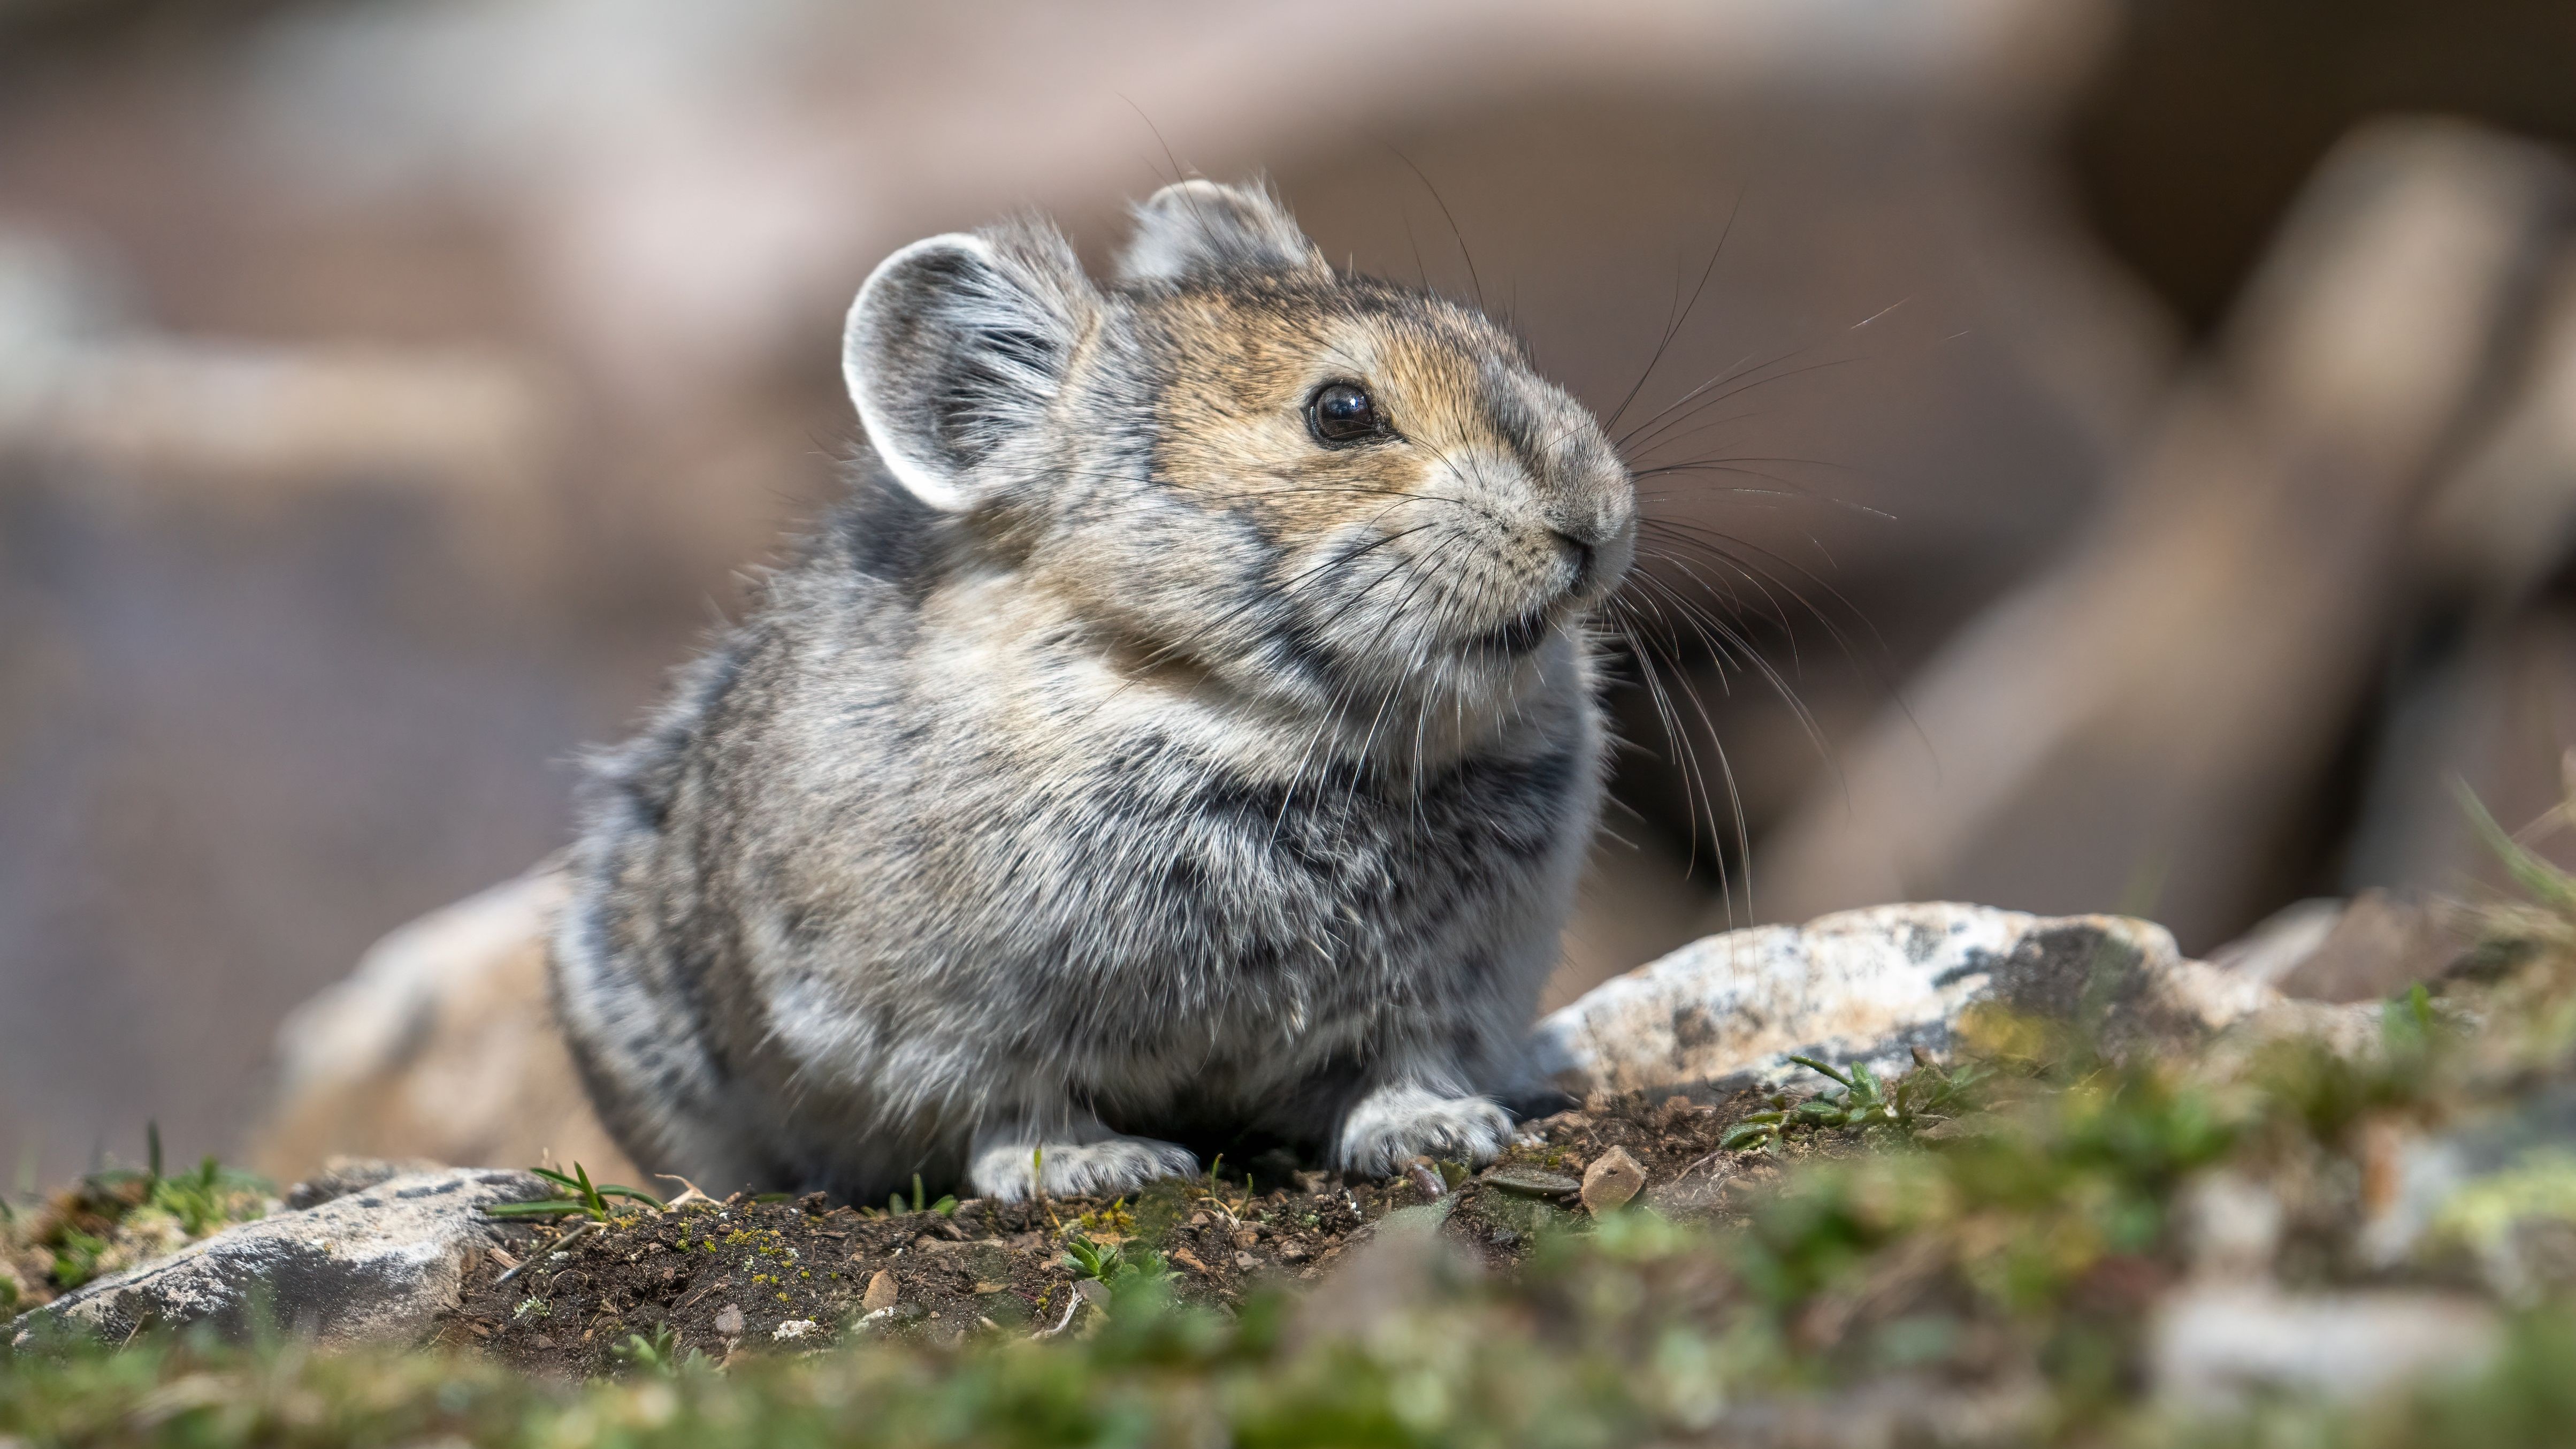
(560, 1245)
(1709, 1161)
(1070, 1308)
(694, 1193)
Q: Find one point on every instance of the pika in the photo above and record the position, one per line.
(1187, 728)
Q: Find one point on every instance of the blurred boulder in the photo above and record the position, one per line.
(2219, 1346)
(2149, 719)
(2482, 685)
(2496, 1193)
(2380, 944)
(440, 1045)
(2366, 949)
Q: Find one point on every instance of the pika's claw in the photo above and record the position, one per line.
(1393, 1125)
(1107, 1167)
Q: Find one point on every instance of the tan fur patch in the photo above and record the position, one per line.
(1234, 419)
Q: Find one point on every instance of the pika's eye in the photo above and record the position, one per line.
(1343, 412)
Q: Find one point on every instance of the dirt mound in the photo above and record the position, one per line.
(577, 1298)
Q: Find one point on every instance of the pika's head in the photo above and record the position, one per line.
(1240, 461)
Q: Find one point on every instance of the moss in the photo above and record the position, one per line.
(111, 1220)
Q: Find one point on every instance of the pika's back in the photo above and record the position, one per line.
(1190, 731)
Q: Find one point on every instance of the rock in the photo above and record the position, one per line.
(793, 1328)
(1612, 1179)
(729, 1320)
(2380, 944)
(2231, 1227)
(891, 1317)
(881, 1293)
(341, 1176)
(2368, 948)
(1531, 1181)
(375, 1266)
(2500, 1188)
(2212, 1346)
(2280, 941)
(2205, 633)
(1872, 985)
(440, 1045)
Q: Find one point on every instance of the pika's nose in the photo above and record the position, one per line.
(1583, 554)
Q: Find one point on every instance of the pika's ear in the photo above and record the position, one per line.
(958, 344)
(1199, 228)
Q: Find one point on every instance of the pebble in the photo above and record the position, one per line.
(1613, 1178)
(881, 1293)
(729, 1320)
(1536, 1182)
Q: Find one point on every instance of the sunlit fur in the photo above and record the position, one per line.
(1119, 764)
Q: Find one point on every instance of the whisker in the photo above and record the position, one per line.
(1674, 324)
(1455, 234)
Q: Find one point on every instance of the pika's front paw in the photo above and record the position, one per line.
(1393, 1125)
(1108, 1167)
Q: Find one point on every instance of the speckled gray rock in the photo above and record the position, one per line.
(1871, 985)
(375, 1266)
(2212, 1346)
(2492, 1188)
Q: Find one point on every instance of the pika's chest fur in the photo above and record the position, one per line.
(924, 822)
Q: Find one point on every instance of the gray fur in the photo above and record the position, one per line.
(1056, 797)
(1196, 227)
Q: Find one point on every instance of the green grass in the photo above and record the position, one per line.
(115, 1217)
(576, 1196)
(1930, 1094)
(897, 1207)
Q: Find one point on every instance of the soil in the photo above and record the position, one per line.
(747, 1276)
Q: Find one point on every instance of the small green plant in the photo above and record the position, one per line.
(657, 1353)
(581, 1198)
(1214, 1194)
(1929, 1093)
(203, 1200)
(76, 1256)
(2545, 883)
(895, 1204)
(1110, 1262)
(84, 1230)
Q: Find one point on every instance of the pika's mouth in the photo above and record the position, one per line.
(1518, 636)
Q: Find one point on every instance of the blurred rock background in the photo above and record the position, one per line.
(2149, 494)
